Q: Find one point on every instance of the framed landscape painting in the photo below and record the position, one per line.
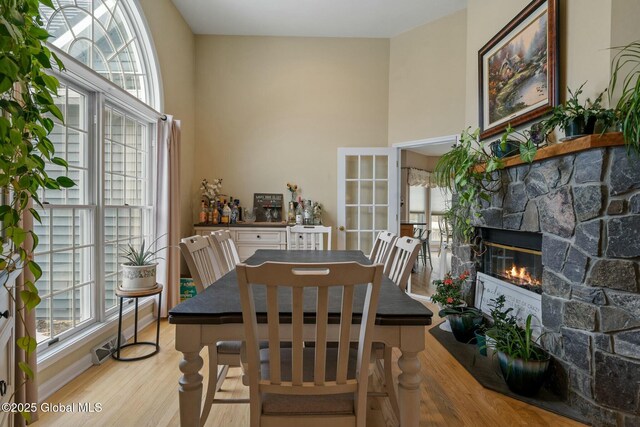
(518, 69)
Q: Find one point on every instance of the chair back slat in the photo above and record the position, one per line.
(322, 315)
(309, 280)
(308, 237)
(201, 260)
(297, 323)
(273, 319)
(401, 260)
(225, 247)
(345, 329)
(382, 247)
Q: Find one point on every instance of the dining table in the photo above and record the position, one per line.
(216, 315)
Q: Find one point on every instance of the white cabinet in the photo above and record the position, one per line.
(7, 347)
(250, 239)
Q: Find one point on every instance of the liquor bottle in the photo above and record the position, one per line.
(215, 215)
(299, 214)
(226, 213)
(203, 213)
(291, 214)
(234, 213)
(308, 213)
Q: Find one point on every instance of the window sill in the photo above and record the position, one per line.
(52, 355)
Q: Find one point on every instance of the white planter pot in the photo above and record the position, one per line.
(136, 277)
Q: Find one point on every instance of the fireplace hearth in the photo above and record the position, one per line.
(584, 210)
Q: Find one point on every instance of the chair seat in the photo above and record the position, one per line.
(229, 347)
(281, 404)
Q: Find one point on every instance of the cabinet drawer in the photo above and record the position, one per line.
(245, 251)
(259, 237)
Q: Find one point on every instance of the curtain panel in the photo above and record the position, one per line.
(167, 213)
(419, 178)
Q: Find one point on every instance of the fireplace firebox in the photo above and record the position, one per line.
(514, 257)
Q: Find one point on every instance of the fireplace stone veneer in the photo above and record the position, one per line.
(587, 207)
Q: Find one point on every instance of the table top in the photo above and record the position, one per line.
(220, 302)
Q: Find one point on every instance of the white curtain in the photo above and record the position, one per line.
(419, 178)
(168, 211)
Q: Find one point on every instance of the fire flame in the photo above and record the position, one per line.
(521, 276)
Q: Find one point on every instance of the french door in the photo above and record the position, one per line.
(367, 195)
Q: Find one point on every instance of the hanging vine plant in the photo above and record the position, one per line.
(459, 172)
(27, 106)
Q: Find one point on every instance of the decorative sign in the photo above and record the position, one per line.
(522, 301)
(268, 207)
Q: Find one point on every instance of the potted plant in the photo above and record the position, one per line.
(523, 363)
(628, 106)
(139, 270)
(574, 118)
(499, 317)
(514, 142)
(463, 320)
(458, 171)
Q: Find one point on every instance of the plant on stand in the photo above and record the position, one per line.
(139, 268)
(462, 320)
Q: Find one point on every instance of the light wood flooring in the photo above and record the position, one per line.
(144, 393)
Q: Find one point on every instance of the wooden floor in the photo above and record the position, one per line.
(144, 393)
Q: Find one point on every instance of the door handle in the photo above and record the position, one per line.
(341, 228)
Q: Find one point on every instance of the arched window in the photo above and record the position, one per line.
(109, 37)
(107, 138)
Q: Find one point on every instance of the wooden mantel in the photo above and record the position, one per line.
(568, 147)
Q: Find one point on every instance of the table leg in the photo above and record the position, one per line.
(190, 383)
(412, 343)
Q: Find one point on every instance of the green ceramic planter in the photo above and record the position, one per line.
(523, 377)
(464, 326)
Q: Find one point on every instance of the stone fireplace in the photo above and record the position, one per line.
(584, 199)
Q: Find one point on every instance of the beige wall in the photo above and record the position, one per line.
(272, 110)
(585, 36)
(175, 48)
(427, 80)
(624, 26)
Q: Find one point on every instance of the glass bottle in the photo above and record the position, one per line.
(308, 213)
(215, 215)
(202, 218)
(234, 213)
(291, 214)
(299, 214)
(226, 213)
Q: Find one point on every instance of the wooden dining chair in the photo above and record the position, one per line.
(205, 269)
(226, 250)
(308, 237)
(312, 386)
(398, 268)
(382, 247)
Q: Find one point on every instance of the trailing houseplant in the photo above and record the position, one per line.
(627, 60)
(27, 105)
(458, 172)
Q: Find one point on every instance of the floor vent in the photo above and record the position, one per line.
(102, 352)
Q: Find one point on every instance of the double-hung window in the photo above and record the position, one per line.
(107, 138)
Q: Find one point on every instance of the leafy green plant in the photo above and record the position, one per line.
(517, 342)
(563, 115)
(449, 290)
(27, 106)
(526, 147)
(142, 256)
(460, 172)
(627, 59)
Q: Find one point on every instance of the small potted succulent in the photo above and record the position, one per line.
(139, 268)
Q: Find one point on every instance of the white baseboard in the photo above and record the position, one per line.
(55, 383)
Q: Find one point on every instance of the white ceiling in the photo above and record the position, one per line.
(313, 18)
